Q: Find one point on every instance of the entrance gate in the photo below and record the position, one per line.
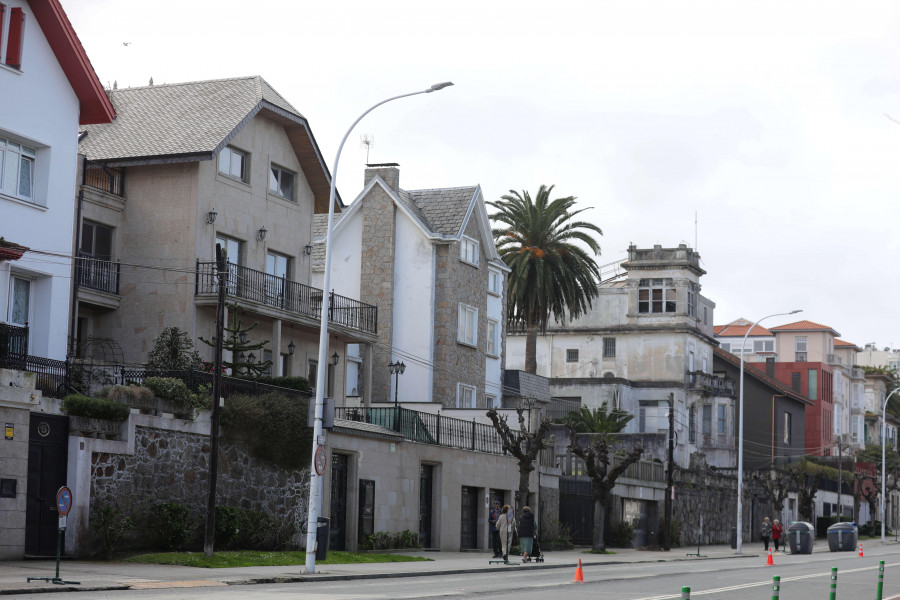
(48, 449)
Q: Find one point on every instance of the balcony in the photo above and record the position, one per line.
(717, 441)
(711, 384)
(101, 177)
(96, 274)
(834, 359)
(13, 346)
(289, 296)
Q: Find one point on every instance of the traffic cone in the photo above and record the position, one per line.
(579, 574)
(860, 551)
(770, 562)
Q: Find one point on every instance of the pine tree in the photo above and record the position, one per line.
(243, 360)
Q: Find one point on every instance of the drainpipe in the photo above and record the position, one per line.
(73, 312)
(773, 424)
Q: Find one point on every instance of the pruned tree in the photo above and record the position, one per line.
(775, 484)
(805, 479)
(522, 444)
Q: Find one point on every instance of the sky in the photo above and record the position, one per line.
(763, 134)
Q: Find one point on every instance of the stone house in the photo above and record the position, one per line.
(184, 167)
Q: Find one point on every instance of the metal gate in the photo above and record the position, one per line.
(576, 508)
(48, 439)
(426, 488)
(337, 539)
(468, 533)
(366, 509)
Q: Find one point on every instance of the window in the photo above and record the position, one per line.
(495, 282)
(15, 38)
(277, 268)
(838, 420)
(572, 355)
(796, 384)
(609, 347)
(813, 384)
(492, 401)
(721, 421)
(468, 250)
(312, 373)
(707, 419)
(692, 425)
(267, 360)
(705, 316)
(231, 247)
(17, 170)
(651, 417)
(233, 163)
(465, 396)
(726, 346)
(764, 345)
(787, 428)
(468, 325)
(800, 349)
(19, 300)
(656, 296)
(692, 301)
(493, 337)
(96, 241)
(281, 182)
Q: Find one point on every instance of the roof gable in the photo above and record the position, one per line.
(804, 326)
(753, 371)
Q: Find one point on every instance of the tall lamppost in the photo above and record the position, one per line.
(397, 369)
(740, 465)
(315, 478)
(883, 453)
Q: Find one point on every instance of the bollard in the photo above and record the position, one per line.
(833, 594)
(776, 587)
(880, 587)
(685, 593)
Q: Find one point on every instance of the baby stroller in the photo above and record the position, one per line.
(536, 554)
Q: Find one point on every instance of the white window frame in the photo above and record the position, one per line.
(763, 346)
(609, 347)
(647, 296)
(465, 394)
(226, 155)
(29, 283)
(276, 175)
(495, 282)
(468, 250)
(492, 401)
(13, 156)
(493, 338)
(467, 325)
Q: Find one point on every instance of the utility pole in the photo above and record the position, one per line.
(667, 520)
(210, 533)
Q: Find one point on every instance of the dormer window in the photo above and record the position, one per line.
(495, 282)
(468, 250)
(233, 163)
(656, 296)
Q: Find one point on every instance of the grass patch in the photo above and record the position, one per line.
(599, 552)
(252, 558)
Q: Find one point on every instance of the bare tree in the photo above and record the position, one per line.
(522, 444)
(775, 484)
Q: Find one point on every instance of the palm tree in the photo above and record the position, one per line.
(551, 275)
(600, 420)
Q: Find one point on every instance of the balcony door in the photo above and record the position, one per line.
(277, 269)
(232, 249)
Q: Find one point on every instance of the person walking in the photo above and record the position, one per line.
(507, 528)
(777, 530)
(765, 532)
(495, 532)
(526, 533)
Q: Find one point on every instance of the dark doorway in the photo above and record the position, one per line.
(469, 519)
(337, 539)
(48, 440)
(366, 509)
(426, 487)
(576, 508)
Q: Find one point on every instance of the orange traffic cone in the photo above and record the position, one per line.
(579, 575)
(860, 551)
(770, 562)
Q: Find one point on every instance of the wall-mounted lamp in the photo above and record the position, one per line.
(291, 348)
(211, 217)
(242, 357)
(335, 358)
(243, 337)
(307, 249)
(252, 358)
(261, 234)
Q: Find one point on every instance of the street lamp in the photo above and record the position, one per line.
(883, 462)
(315, 483)
(740, 465)
(397, 369)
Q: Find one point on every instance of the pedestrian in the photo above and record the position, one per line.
(765, 532)
(776, 533)
(507, 528)
(526, 533)
(495, 533)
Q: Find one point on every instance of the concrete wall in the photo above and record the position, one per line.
(16, 403)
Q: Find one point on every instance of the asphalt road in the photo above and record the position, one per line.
(804, 577)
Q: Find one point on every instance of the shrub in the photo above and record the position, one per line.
(110, 525)
(76, 405)
(300, 384)
(171, 525)
(620, 534)
(554, 532)
(383, 540)
(675, 527)
(241, 529)
(129, 394)
(169, 388)
(273, 425)
(173, 350)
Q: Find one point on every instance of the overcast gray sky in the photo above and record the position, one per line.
(771, 121)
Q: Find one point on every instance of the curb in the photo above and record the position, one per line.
(65, 588)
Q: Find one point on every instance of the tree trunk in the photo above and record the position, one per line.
(599, 527)
(522, 492)
(531, 349)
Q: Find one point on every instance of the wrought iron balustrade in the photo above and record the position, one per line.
(101, 177)
(713, 384)
(13, 346)
(96, 274)
(278, 292)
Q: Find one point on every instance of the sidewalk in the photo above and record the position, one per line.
(99, 575)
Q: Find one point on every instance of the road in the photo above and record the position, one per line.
(803, 577)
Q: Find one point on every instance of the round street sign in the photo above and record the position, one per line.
(320, 460)
(63, 501)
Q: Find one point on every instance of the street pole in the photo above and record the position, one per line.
(210, 533)
(840, 479)
(883, 454)
(740, 465)
(667, 534)
(315, 480)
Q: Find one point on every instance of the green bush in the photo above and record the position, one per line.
(823, 523)
(554, 532)
(171, 525)
(382, 540)
(110, 525)
(129, 394)
(273, 426)
(169, 388)
(675, 527)
(873, 529)
(620, 534)
(76, 405)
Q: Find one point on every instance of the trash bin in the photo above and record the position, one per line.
(734, 538)
(842, 537)
(801, 536)
(323, 532)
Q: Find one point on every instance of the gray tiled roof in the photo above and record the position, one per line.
(366, 429)
(443, 209)
(320, 225)
(180, 118)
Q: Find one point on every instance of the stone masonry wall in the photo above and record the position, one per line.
(703, 493)
(459, 282)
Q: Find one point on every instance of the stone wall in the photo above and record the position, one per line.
(703, 493)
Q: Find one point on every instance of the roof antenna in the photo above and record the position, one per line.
(366, 140)
(696, 249)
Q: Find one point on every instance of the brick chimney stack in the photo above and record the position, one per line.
(390, 172)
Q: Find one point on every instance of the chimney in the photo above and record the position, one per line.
(770, 366)
(390, 172)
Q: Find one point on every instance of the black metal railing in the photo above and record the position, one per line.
(13, 346)
(52, 377)
(278, 292)
(101, 177)
(97, 274)
(195, 379)
(428, 428)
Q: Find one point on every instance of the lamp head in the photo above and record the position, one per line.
(440, 86)
(794, 312)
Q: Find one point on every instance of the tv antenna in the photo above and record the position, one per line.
(366, 141)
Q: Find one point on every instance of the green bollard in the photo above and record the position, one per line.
(776, 587)
(833, 594)
(685, 593)
(880, 588)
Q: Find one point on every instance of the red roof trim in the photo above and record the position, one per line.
(96, 106)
